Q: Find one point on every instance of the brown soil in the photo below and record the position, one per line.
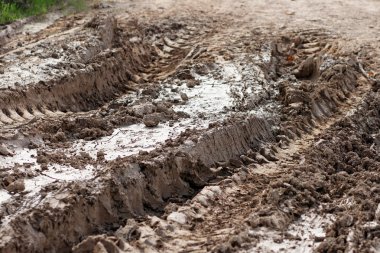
(170, 126)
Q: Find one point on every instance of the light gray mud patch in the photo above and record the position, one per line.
(304, 235)
(41, 23)
(209, 102)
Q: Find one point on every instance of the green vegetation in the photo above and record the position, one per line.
(11, 10)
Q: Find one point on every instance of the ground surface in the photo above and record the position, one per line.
(190, 126)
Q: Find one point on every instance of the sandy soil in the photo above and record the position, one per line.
(190, 126)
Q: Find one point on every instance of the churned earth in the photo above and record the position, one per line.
(192, 126)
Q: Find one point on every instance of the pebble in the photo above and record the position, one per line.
(184, 97)
(151, 120)
(177, 217)
(55, 55)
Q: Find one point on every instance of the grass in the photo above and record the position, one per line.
(9, 12)
(13, 10)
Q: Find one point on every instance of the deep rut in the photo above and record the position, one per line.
(223, 216)
(123, 57)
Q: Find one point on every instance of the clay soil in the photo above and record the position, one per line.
(192, 126)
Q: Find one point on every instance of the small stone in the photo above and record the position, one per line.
(100, 155)
(16, 186)
(19, 44)
(55, 55)
(319, 238)
(2, 71)
(268, 155)
(203, 200)
(346, 220)
(192, 83)
(184, 74)
(184, 96)
(290, 13)
(141, 110)
(151, 120)
(135, 39)
(65, 47)
(60, 136)
(177, 217)
(236, 162)
(143, 152)
(260, 159)
(247, 160)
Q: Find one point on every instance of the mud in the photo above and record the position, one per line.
(165, 126)
(128, 186)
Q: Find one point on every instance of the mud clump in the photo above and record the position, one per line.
(307, 69)
(152, 120)
(4, 151)
(78, 128)
(16, 186)
(44, 158)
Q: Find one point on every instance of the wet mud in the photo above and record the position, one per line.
(151, 128)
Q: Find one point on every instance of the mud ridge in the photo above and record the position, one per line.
(126, 189)
(325, 80)
(266, 202)
(251, 210)
(100, 74)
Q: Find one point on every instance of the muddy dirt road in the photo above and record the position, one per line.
(190, 126)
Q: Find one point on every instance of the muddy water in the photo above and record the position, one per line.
(208, 102)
